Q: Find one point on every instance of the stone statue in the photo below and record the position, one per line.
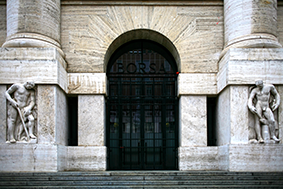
(21, 99)
(262, 106)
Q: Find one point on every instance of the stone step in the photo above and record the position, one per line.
(142, 179)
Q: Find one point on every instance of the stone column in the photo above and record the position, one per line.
(33, 23)
(250, 24)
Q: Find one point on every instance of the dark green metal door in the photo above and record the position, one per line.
(142, 108)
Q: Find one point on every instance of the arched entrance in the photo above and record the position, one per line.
(142, 108)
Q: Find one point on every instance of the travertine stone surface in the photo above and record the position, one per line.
(193, 131)
(238, 66)
(91, 120)
(52, 115)
(280, 114)
(198, 158)
(86, 158)
(28, 157)
(280, 23)
(223, 128)
(46, 114)
(239, 114)
(3, 113)
(232, 116)
(87, 83)
(3, 24)
(88, 31)
(223, 157)
(42, 65)
(39, 20)
(196, 84)
(61, 132)
(264, 157)
(247, 17)
(62, 153)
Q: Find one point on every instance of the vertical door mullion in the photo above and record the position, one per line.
(120, 122)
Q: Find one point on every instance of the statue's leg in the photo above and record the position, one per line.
(258, 129)
(31, 126)
(272, 124)
(12, 118)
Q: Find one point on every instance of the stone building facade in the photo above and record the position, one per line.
(219, 49)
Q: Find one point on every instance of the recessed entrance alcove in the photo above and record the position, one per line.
(142, 108)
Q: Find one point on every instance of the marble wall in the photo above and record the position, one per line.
(28, 157)
(223, 128)
(265, 157)
(3, 23)
(280, 22)
(232, 116)
(193, 123)
(280, 113)
(52, 115)
(198, 158)
(86, 158)
(91, 120)
(3, 114)
(87, 32)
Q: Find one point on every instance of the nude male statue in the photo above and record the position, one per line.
(262, 94)
(23, 101)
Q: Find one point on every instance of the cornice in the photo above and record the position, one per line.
(144, 3)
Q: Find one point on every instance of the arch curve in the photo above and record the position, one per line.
(142, 34)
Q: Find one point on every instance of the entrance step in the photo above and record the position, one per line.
(143, 179)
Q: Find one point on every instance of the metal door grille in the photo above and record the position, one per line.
(142, 109)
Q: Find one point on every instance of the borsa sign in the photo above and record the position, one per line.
(140, 68)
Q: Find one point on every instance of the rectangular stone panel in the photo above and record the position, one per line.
(239, 114)
(244, 66)
(3, 114)
(223, 118)
(61, 127)
(52, 115)
(41, 65)
(87, 83)
(3, 23)
(91, 120)
(46, 107)
(195, 83)
(193, 123)
(86, 158)
(198, 158)
(256, 157)
(280, 114)
(232, 116)
(28, 157)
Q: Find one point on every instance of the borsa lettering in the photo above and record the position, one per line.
(140, 68)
